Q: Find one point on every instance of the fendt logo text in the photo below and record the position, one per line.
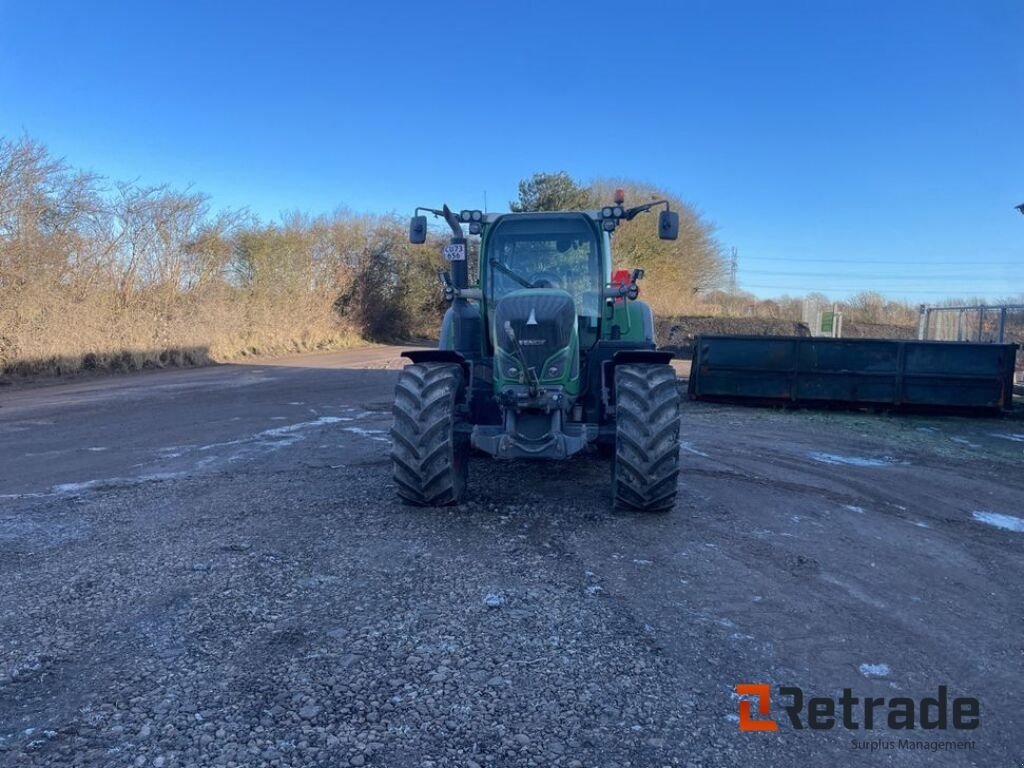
(853, 712)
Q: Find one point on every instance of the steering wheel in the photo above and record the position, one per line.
(545, 280)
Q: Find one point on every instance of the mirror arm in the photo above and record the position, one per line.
(615, 291)
(445, 213)
(632, 212)
(453, 221)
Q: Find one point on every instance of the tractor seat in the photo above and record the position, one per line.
(545, 280)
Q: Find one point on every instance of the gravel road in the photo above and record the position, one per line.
(208, 567)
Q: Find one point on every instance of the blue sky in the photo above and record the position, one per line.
(837, 145)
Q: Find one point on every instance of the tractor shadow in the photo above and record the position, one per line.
(579, 487)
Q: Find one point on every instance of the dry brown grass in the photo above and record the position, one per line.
(60, 334)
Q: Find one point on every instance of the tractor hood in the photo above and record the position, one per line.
(544, 323)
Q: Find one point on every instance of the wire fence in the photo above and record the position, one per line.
(981, 323)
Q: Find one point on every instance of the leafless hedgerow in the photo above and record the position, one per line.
(101, 275)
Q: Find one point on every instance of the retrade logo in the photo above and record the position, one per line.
(764, 707)
(818, 713)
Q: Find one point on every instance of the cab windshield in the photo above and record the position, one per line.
(545, 251)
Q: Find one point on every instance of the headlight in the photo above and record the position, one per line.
(509, 368)
(555, 369)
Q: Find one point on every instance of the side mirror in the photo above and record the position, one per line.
(668, 225)
(418, 230)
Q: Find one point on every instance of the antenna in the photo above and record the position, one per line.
(733, 265)
(485, 201)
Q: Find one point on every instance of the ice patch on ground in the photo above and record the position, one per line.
(964, 441)
(1006, 522)
(689, 448)
(1017, 438)
(854, 591)
(74, 489)
(267, 440)
(874, 670)
(278, 437)
(302, 425)
(854, 508)
(853, 461)
(494, 600)
(47, 533)
(372, 434)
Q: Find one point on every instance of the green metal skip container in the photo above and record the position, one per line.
(890, 373)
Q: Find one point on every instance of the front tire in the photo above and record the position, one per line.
(430, 458)
(646, 464)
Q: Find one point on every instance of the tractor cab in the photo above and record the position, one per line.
(542, 276)
(560, 251)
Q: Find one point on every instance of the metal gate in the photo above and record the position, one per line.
(979, 323)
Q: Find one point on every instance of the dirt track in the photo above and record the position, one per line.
(208, 567)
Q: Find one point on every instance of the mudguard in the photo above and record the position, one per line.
(642, 356)
(440, 356)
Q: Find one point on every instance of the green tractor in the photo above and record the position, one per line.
(547, 354)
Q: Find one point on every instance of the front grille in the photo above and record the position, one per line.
(555, 316)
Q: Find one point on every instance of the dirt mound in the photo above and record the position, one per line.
(678, 333)
(859, 330)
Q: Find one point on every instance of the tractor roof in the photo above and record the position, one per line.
(490, 218)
